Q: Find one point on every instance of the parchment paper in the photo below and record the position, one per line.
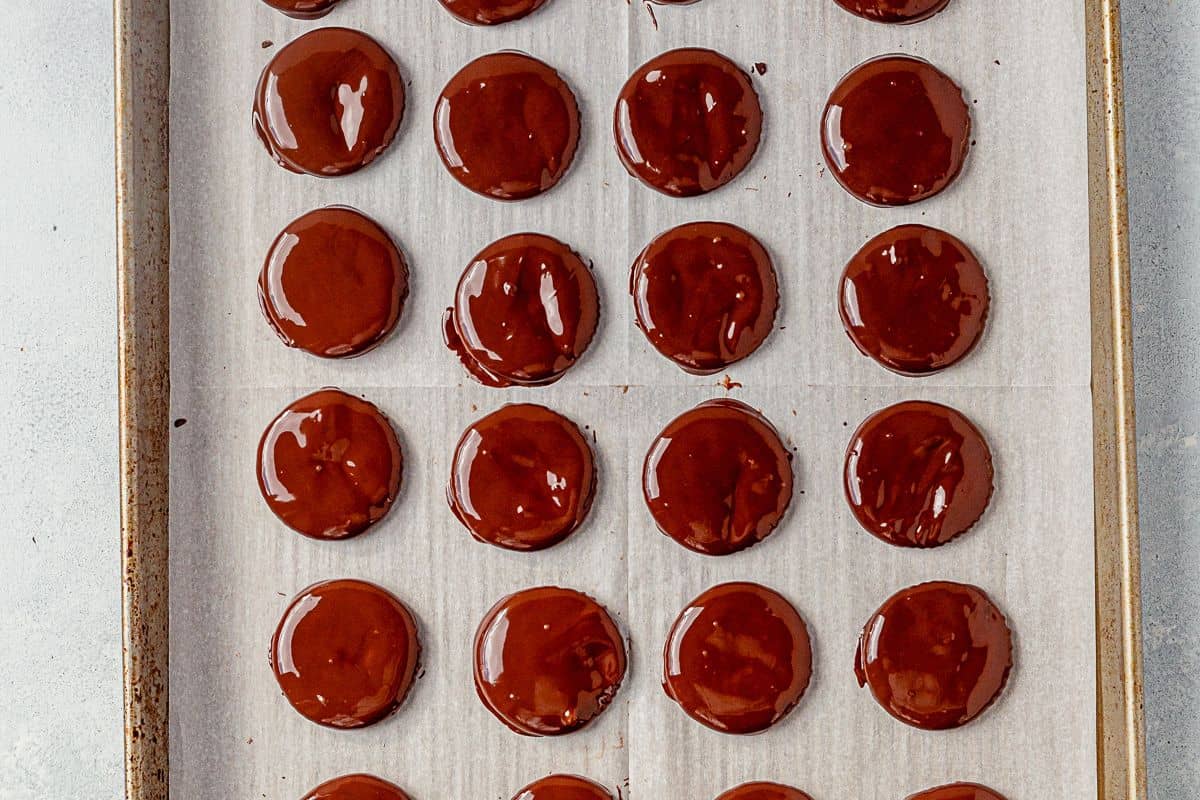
(1021, 204)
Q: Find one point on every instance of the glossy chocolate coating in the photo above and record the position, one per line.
(738, 658)
(917, 474)
(915, 299)
(687, 122)
(345, 653)
(329, 465)
(507, 126)
(525, 310)
(935, 655)
(563, 787)
(548, 660)
(491, 12)
(303, 9)
(356, 787)
(333, 284)
(896, 130)
(957, 791)
(329, 102)
(761, 790)
(900, 12)
(705, 295)
(522, 478)
(718, 479)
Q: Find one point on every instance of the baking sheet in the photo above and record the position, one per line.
(1022, 206)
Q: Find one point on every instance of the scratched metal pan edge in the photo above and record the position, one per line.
(142, 70)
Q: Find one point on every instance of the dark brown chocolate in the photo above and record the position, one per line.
(563, 787)
(345, 653)
(507, 126)
(491, 12)
(901, 12)
(935, 655)
(356, 787)
(687, 122)
(917, 474)
(915, 299)
(329, 465)
(333, 283)
(303, 9)
(718, 479)
(525, 310)
(738, 658)
(705, 295)
(329, 102)
(548, 661)
(762, 790)
(896, 130)
(522, 478)
(958, 791)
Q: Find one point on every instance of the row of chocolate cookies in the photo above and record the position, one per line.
(548, 661)
(573, 787)
(717, 479)
(895, 129)
(346, 652)
(498, 12)
(705, 294)
(918, 474)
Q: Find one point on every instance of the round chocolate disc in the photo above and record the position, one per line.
(738, 658)
(491, 12)
(762, 790)
(687, 122)
(915, 299)
(356, 787)
(895, 130)
(918, 474)
(718, 479)
(563, 787)
(548, 661)
(333, 283)
(329, 465)
(522, 478)
(958, 791)
(329, 102)
(345, 653)
(935, 655)
(525, 310)
(507, 126)
(900, 12)
(303, 9)
(705, 295)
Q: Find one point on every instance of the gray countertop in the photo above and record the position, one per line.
(60, 727)
(1162, 112)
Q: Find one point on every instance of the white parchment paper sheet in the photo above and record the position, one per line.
(1021, 204)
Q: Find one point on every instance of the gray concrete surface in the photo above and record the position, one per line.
(1162, 70)
(60, 623)
(60, 723)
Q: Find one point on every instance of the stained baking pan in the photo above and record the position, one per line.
(157, 340)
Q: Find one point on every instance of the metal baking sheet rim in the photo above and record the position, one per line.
(142, 80)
